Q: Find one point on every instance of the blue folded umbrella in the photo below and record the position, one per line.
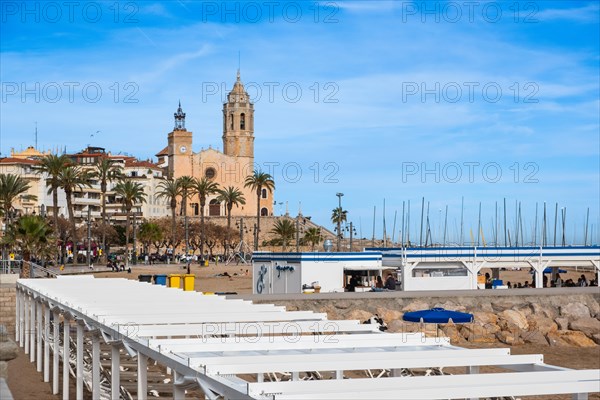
(438, 316)
(548, 270)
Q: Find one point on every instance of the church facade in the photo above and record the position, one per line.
(227, 168)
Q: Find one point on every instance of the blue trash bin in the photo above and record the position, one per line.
(160, 280)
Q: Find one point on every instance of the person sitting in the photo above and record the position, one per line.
(558, 281)
(390, 282)
(509, 285)
(582, 281)
(379, 282)
(351, 286)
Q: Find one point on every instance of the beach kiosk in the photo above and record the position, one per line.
(312, 272)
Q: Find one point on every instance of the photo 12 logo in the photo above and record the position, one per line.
(469, 172)
(289, 92)
(453, 12)
(269, 11)
(454, 92)
(53, 12)
(54, 92)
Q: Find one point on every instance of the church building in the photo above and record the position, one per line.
(227, 168)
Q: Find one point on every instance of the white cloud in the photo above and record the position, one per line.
(586, 14)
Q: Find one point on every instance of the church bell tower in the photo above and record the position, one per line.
(179, 147)
(238, 122)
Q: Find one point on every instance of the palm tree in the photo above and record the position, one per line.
(131, 193)
(31, 234)
(231, 196)
(170, 190)
(11, 187)
(71, 179)
(338, 215)
(313, 236)
(204, 188)
(257, 181)
(150, 232)
(285, 230)
(53, 165)
(106, 171)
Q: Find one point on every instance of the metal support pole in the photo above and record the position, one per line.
(134, 252)
(96, 365)
(55, 361)
(89, 236)
(115, 373)
(297, 234)
(351, 236)
(142, 376)
(32, 330)
(17, 316)
(46, 339)
(66, 357)
(39, 336)
(79, 356)
(26, 314)
(178, 392)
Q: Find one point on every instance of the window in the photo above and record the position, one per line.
(214, 208)
(210, 173)
(243, 121)
(264, 212)
(264, 193)
(231, 121)
(195, 208)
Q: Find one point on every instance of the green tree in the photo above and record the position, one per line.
(32, 236)
(204, 188)
(150, 232)
(130, 193)
(285, 231)
(313, 236)
(71, 179)
(257, 182)
(11, 187)
(53, 166)
(170, 190)
(106, 170)
(187, 184)
(231, 196)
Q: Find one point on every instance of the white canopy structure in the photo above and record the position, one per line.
(231, 348)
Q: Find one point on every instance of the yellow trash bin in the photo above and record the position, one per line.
(188, 282)
(175, 281)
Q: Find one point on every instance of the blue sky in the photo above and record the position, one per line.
(395, 100)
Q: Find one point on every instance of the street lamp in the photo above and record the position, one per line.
(339, 221)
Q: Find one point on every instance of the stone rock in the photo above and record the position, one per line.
(575, 311)
(578, 339)
(451, 331)
(556, 339)
(594, 307)
(485, 318)
(342, 304)
(516, 318)
(508, 337)
(524, 309)
(416, 306)
(360, 315)
(8, 350)
(486, 307)
(389, 315)
(563, 323)
(542, 310)
(534, 337)
(589, 326)
(570, 338)
(505, 304)
(542, 324)
(3, 369)
(596, 338)
(332, 312)
(476, 333)
(399, 326)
